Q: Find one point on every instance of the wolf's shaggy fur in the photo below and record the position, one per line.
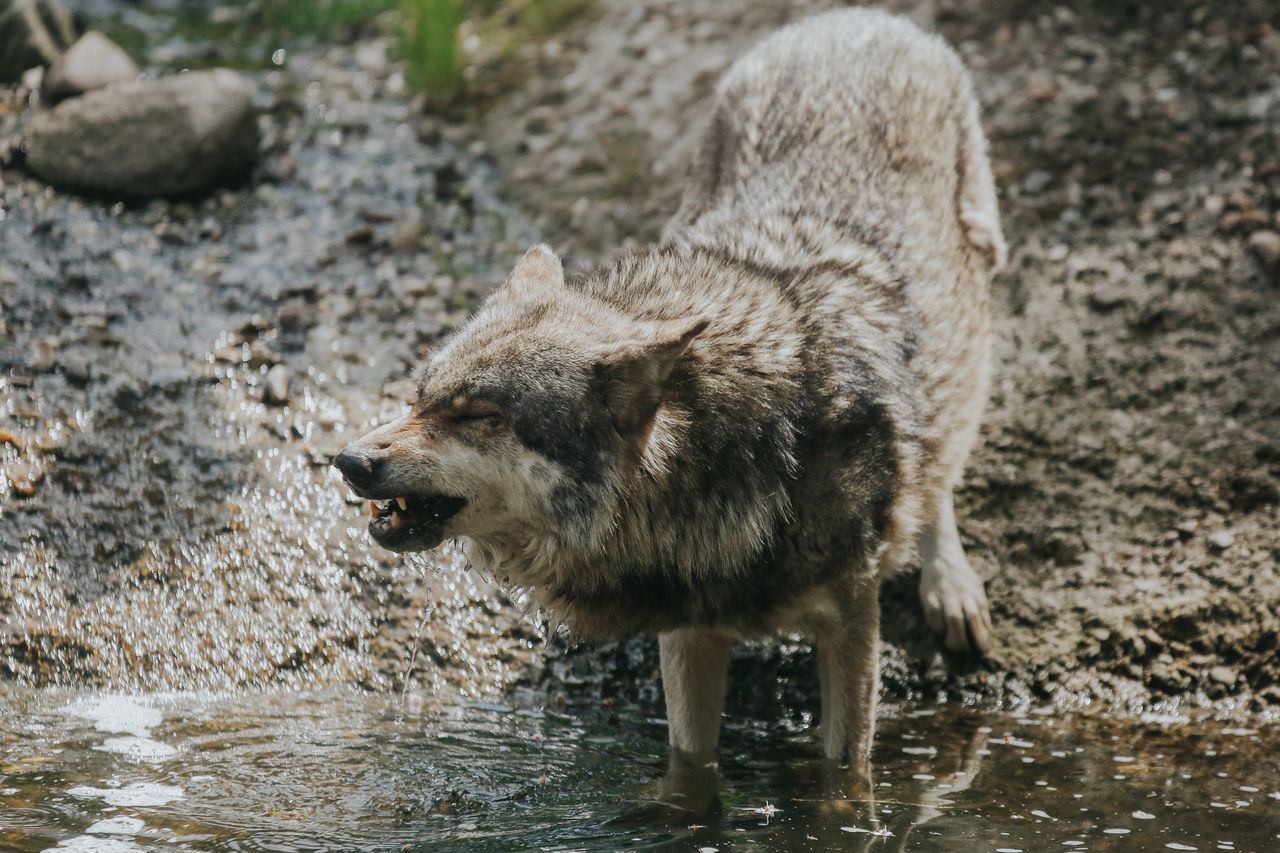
(743, 429)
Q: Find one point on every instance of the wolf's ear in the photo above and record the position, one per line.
(537, 272)
(633, 373)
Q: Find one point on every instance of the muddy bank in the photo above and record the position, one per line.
(1124, 505)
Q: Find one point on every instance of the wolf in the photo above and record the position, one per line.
(743, 429)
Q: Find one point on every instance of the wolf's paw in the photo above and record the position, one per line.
(956, 603)
(983, 232)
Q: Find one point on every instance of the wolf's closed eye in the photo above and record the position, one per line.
(475, 413)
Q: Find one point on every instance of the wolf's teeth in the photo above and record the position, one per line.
(402, 503)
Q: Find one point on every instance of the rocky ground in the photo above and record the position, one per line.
(169, 522)
(176, 374)
(1124, 505)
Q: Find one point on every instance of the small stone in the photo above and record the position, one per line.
(276, 390)
(75, 367)
(330, 416)
(1222, 540)
(294, 313)
(1107, 296)
(1037, 182)
(92, 62)
(361, 235)
(33, 77)
(1042, 90)
(1266, 245)
(1223, 675)
(24, 477)
(406, 237)
(1187, 527)
(43, 355)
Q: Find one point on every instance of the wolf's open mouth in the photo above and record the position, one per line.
(405, 517)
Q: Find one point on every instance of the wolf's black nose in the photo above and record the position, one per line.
(356, 467)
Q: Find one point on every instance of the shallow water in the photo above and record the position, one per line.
(348, 771)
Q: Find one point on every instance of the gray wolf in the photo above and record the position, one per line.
(742, 429)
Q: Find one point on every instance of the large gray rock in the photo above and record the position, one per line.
(92, 62)
(32, 32)
(176, 136)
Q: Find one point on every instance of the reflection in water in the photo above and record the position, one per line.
(345, 771)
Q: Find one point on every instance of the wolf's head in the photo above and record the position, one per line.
(529, 422)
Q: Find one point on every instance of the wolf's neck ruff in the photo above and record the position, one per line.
(689, 523)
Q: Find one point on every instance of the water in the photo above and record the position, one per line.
(349, 771)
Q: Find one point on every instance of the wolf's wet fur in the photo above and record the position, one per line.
(745, 428)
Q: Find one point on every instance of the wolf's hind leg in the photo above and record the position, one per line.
(849, 671)
(950, 590)
(695, 672)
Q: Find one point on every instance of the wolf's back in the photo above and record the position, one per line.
(856, 115)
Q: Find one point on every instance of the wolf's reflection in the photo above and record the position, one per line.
(824, 802)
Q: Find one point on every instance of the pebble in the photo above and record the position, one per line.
(24, 477)
(1223, 675)
(1107, 296)
(92, 62)
(43, 355)
(1037, 182)
(75, 367)
(406, 236)
(1266, 245)
(276, 390)
(1222, 539)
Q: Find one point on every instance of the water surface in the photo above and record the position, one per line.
(348, 771)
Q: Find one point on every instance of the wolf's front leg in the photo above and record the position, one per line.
(849, 669)
(695, 670)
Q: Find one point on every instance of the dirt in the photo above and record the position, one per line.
(166, 523)
(1123, 506)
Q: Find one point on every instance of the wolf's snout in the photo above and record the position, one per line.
(359, 469)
